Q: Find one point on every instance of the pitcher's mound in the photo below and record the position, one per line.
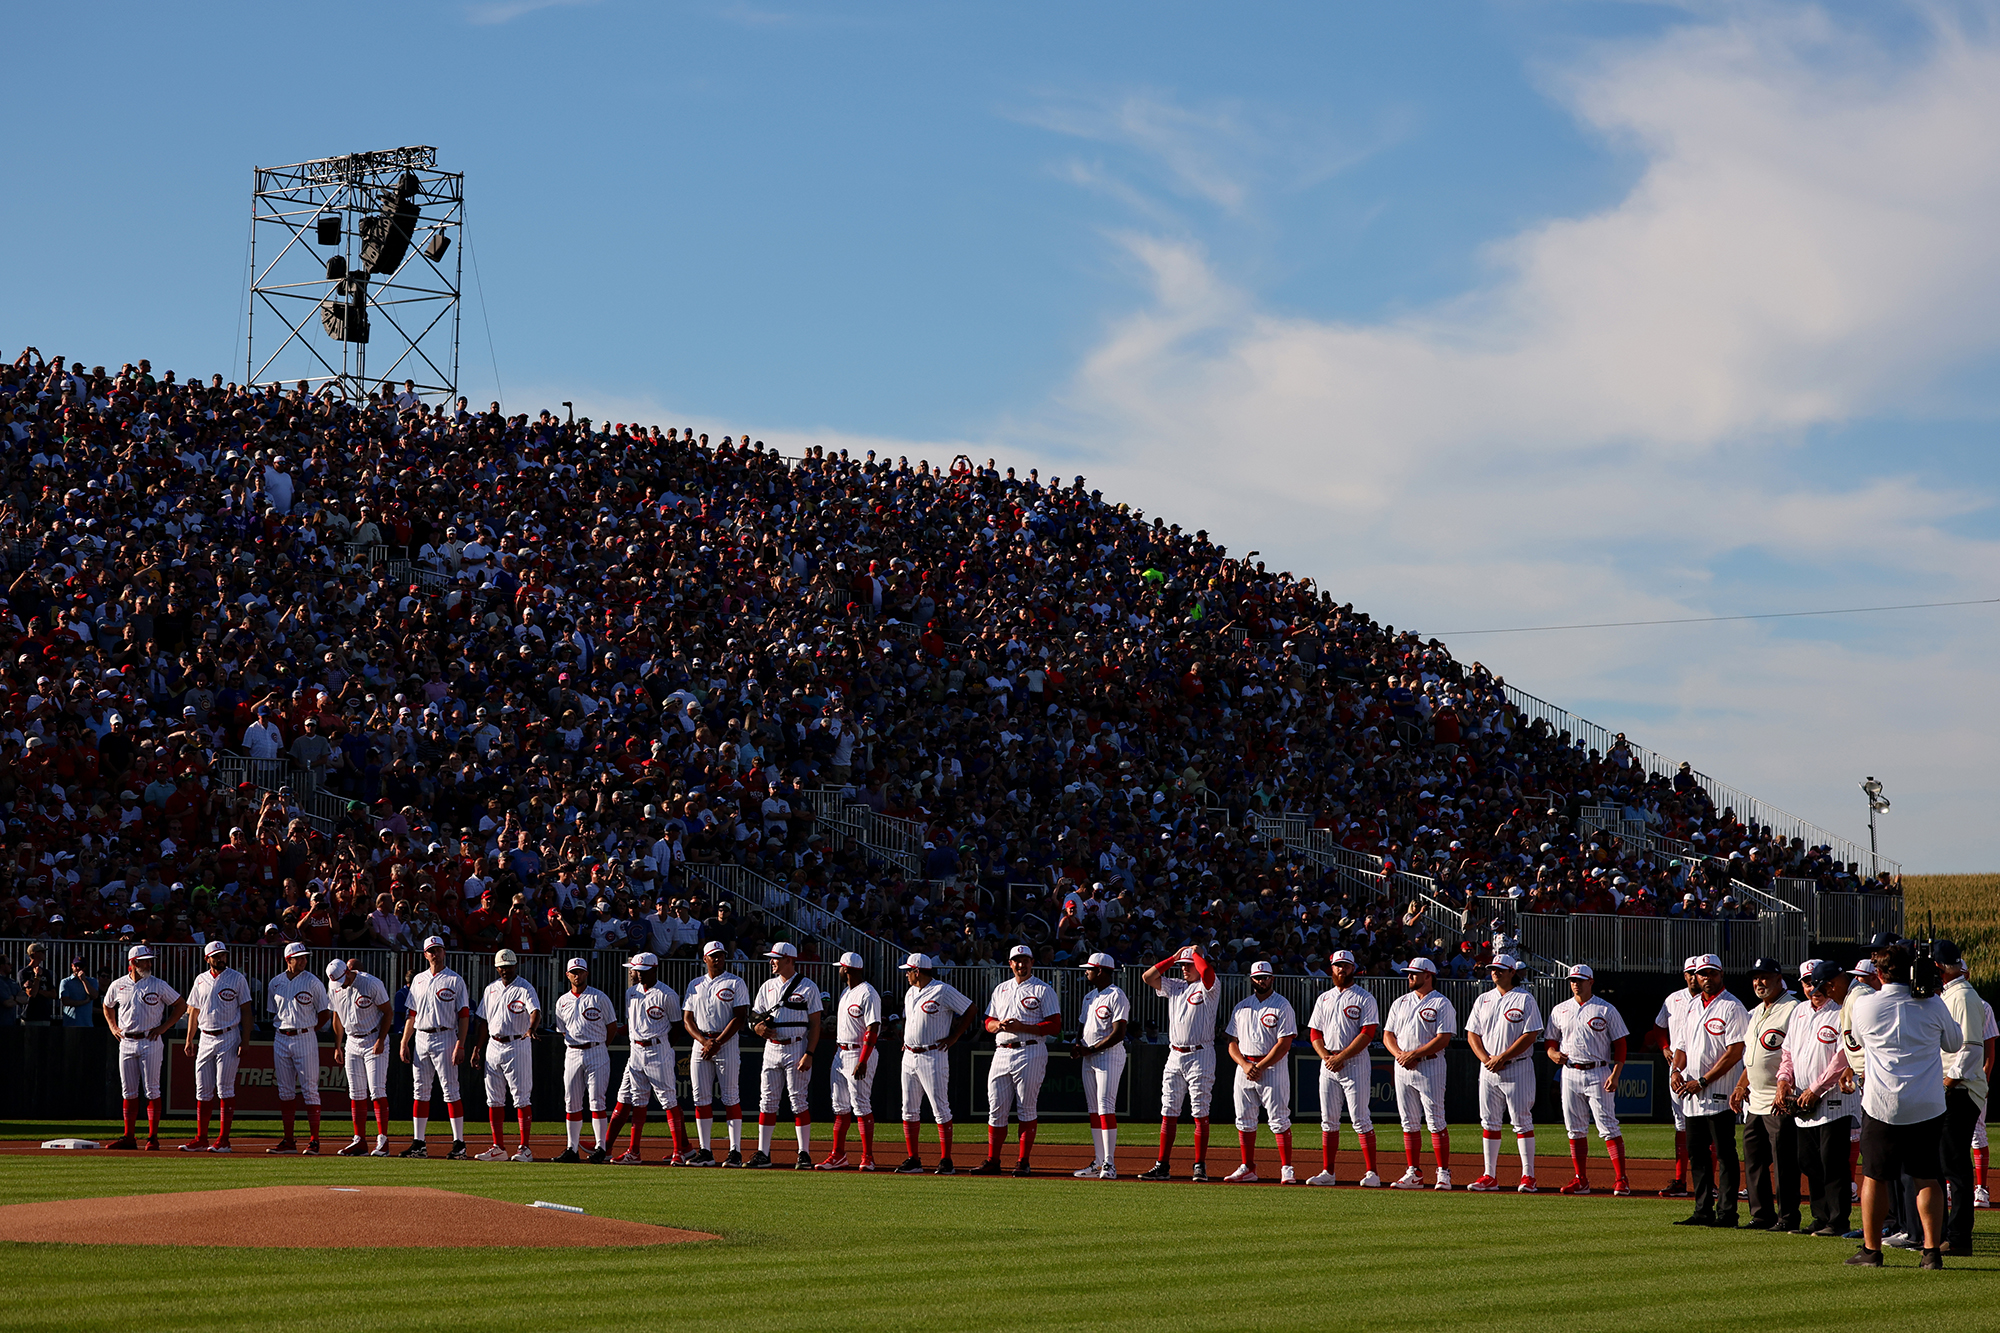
(320, 1217)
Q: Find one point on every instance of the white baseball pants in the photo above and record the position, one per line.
(1584, 1100)
(367, 1071)
(510, 1067)
(1188, 1080)
(783, 1078)
(715, 1081)
(1508, 1095)
(1015, 1083)
(1681, 1118)
(1347, 1086)
(1420, 1095)
(586, 1076)
(433, 1064)
(1102, 1073)
(1272, 1092)
(649, 1072)
(927, 1074)
(139, 1067)
(295, 1062)
(853, 1086)
(215, 1060)
(1979, 1132)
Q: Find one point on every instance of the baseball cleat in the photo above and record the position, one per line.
(759, 1161)
(568, 1155)
(457, 1153)
(1677, 1190)
(910, 1167)
(1199, 1172)
(1021, 1168)
(1484, 1185)
(989, 1167)
(1409, 1180)
(1371, 1181)
(627, 1158)
(1622, 1187)
(735, 1157)
(382, 1150)
(868, 1164)
(354, 1148)
(598, 1156)
(152, 1143)
(128, 1143)
(494, 1154)
(804, 1162)
(1088, 1172)
(311, 1149)
(833, 1162)
(1980, 1198)
(220, 1145)
(1108, 1172)
(1323, 1178)
(1242, 1175)
(1527, 1186)
(1865, 1258)
(1288, 1175)
(282, 1146)
(1158, 1171)
(944, 1168)
(526, 1154)
(701, 1157)
(1444, 1179)
(1578, 1186)
(195, 1145)
(674, 1159)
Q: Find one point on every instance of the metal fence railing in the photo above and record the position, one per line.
(1658, 944)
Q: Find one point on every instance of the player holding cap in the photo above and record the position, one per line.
(362, 1017)
(509, 1013)
(585, 1021)
(1418, 1029)
(717, 1010)
(299, 1010)
(1187, 982)
(1712, 1038)
(857, 1029)
(218, 1005)
(1811, 1070)
(1586, 1041)
(652, 1009)
(1502, 1029)
(1261, 1029)
(1666, 1036)
(1100, 1051)
(1023, 1013)
(791, 1034)
(935, 1015)
(1770, 1139)
(138, 1007)
(434, 1042)
(1344, 1023)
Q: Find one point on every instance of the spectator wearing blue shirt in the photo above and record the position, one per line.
(78, 996)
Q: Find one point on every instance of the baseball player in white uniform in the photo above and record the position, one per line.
(1811, 1069)
(1187, 982)
(218, 1015)
(1344, 1024)
(1502, 1029)
(1586, 1041)
(434, 1038)
(362, 1019)
(1706, 1063)
(584, 1020)
(857, 1030)
(138, 1007)
(717, 1009)
(1980, 1198)
(791, 1034)
(509, 1014)
(652, 1012)
(1419, 1027)
(1666, 1036)
(1023, 1013)
(935, 1015)
(1261, 1029)
(299, 1010)
(1100, 1052)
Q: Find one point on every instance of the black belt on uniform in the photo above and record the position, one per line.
(583, 1045)
(783, 1041)
(854, 1047)
(1581, 1065)
(434, 1029)
(652, 1041)
(919, 1050)
(295, 1032)
(1185, 1049)
(519, 1036)
(216, 1032)
(1015, 1045)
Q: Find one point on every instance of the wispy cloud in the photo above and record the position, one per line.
(506, 11)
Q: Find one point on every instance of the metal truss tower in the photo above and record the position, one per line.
(347, 255)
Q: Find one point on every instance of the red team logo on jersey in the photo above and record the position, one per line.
(361, 1001)
(517, 1006)
(1597, 1024)
(854, 1010)
(590, 1013)
(652, 1011)
(1515, 1015)
(1031, 1002)
(1194, 995)
(1269, 1020)
(929, 1006)
(1715, 1027)
(1829, 1035)
(151, 997)
(446, 995)
(1772, 1039)
(1104, 1012)
(1352, 1011)
(726, 993)
(226, 993)
(1427, 1015)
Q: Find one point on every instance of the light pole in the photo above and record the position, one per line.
(1877, 803)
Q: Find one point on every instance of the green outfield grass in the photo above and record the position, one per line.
(812, 1252)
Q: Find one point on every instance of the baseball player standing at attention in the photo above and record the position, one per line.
(1100, 1051)
(1666, 1036)
(1023, 1013)
(857, 1029)
(138, 1007)
(1587, 1042)
(1345, 1022)
(218, 1010)
(652, 1011)
(1261, 1029)
(1770, 1140)
(362, 1018)
(1419, 1027)
(509, 1013)
(299, 1010)
(1705, 1064)
(935, 1015)
(791, 1035)
(434, 1041)
(1187, 982)
(718, 1008)
(1502, 1029)
(1810, 1072)
(585, 1020)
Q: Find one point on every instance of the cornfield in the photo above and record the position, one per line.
(1966, 910)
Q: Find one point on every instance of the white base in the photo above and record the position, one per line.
(71, 1143)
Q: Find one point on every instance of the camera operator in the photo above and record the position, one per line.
(1903, 1037)
(1964, 1093)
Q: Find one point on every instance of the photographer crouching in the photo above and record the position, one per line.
(1904, 1030)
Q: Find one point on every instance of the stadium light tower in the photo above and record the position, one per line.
(390, 218)
(1877, 803)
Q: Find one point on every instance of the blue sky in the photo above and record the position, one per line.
(1485, 314)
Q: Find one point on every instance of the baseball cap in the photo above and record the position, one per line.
(1808, 967)
(1766, 965)
(576, 965)
(1505, 960)
(1582, 972)
(713, 946)
(1824, 971)
(212, 948)
(433, 942)
(1707, 962)
(1882, 939)
(851, 959)
(1099, 960)
(1691, 962)
(292, 950)
(1420, 964)
(1341, 956)
(782, 949)
(138, 953)
(506, 958)
(1260, 968)
(1864, 968)
(1946, 952)
(1020, 951)
(921, 962)
(642, 961)
(335, 970)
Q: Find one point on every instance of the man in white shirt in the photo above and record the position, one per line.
(138, 1007)
(299, 1009)
(1100, 1052)
(1188, 983)
(1344, 1024)
(791, 1035)
(1419, 1027)
(1586, 1041)
(584, 1020)
(935, 1015)
(218, 1006)
(509, 1014)
(262, 739)
(1502, 1029)
(652, 1011)
(1770, 1140)
(362, 1017)
(1964, 1093)
(1261, 1029)
(857, 1031)
(717, 1009)
(1665, 1035)
(1022, 1014)
(1709, 1048)
(434, 1033)
(1811, 1072)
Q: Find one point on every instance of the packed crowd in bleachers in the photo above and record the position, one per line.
(545, 665)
